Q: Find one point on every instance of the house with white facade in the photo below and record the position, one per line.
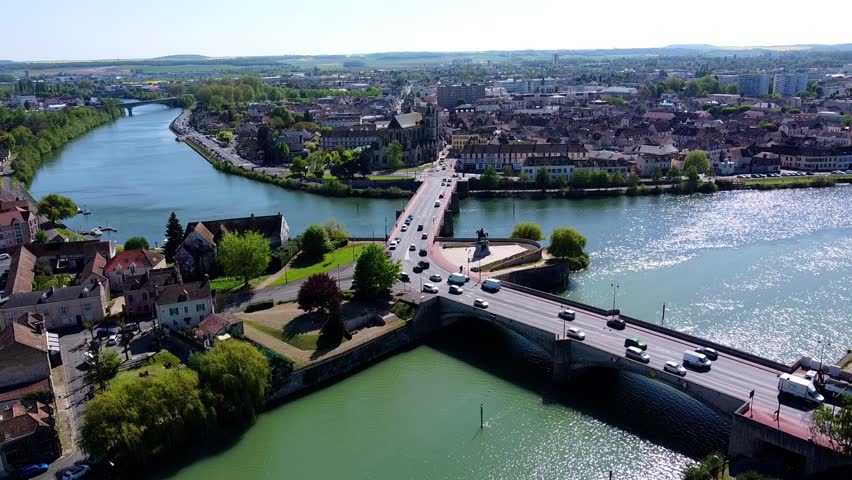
(184, 306)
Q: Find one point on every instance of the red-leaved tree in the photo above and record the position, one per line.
(320, 293)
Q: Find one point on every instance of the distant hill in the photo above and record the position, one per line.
(182, 58)
(6, 61)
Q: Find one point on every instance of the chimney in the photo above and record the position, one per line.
(206, 279)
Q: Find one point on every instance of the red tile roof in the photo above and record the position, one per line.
(139, 258)
(20, 392)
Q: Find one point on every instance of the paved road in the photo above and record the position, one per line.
(730, 375)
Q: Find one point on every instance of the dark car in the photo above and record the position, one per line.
(616, 323)
(419, 228)
(106, 332)
(417, 269)
(404, 277)
(423, 264)
(708, 352)
(635, 342)
(33, 470)
(422, 252)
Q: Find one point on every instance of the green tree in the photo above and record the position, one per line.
(145, 416)
(299, 167)
(394, 155)
(697, 159)
(567, 243)
(104, 365)
(834, 424)
(542, 178)
(560, 182)
(375, 273)
(673, 175)
(527, 230)
(692, 178)
(658, 175)
(600, 179)
(56, 207)
(244, 255)
(282, 150)
(711, 467)
(617, 179)
(581, 179)
(174, 237)
(337, 234)
(136, 243)
(40, 237)
(731, 89)
(508, 171)
(489, 178)
(524, 177)
(237, 374)
(315, 241)
(633, 180)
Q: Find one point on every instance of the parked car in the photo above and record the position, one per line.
(456, 290)
(397, 239)
(567, 314)
(424, 236)
(412, 247)
(33, 470)
(429, 288)
(575, 333)
(674, 367)
(420, 228)
(638, 355)
(437, 203)
(635, 342)
(404, 228)
(708, 352)
(75, 472)
(436, 277)
(479, 302)
(112, 340)
(4, 256)
(106, 332)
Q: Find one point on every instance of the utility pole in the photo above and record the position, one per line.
(663, 320)
(615, 286)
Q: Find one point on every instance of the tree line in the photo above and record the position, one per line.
(31, 135)
(145, 417)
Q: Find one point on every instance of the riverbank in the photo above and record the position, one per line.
(821, 181)
(328, 187)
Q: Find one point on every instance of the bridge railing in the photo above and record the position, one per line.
(654, 327)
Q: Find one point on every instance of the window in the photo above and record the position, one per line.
(63, 309)
(199, 307)
(10, 317)
(186, 309)
(87, 307)
(174, 311)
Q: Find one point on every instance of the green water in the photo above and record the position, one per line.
(416, 416)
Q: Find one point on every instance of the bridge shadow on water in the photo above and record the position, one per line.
(638, 405)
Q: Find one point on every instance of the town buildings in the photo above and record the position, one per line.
(753, 85)
(196, 255)
(451, 95)
(131, 263)
(183, 306)
(790, 84)
(59, 307)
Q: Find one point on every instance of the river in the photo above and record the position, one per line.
(768, 272)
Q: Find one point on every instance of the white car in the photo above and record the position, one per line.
(75, 472)
(392, 245)
(437, 204)
(412, 247)
(479, 302)
(456, 290)
(436, 277)
(429, 288)
(404, 228)
(637, 354)
(575, 333)
(112, 340)
(4, 256)
(674, 367)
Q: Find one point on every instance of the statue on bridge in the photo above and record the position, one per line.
(481, 235)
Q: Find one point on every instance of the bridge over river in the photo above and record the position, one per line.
(740, 386)
(168, 101)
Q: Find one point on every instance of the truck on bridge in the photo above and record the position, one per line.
(798, 387)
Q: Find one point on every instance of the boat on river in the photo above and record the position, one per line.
(96, 232)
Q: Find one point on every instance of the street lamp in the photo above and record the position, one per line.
(821, 352)
(615, 286)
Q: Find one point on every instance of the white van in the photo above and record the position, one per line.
(491, 284)
(456, 279)
(695, 359)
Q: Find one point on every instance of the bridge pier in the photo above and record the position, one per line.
(129, 111)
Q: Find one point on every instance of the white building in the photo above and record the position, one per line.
(790, 84)
(183, 306)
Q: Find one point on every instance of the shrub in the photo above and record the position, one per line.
(258, 306)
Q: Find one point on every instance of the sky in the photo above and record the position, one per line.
(112, 29)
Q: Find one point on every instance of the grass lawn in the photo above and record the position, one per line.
(410, 169)
(384, 178)
(233, 284)
(154, 367)
(781, 180)
(300, 268)
(304, 341)
(403, 310)
(70, 235)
